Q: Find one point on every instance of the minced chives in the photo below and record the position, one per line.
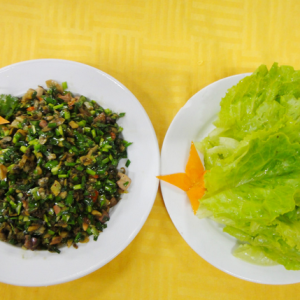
(105, 161)
(106, 147)
(90, 171)
(10, 167)
(108, 188)
(110, 182)
(78, 237)
(57, 132)
(52, 125)
(114, 162)
(81, 123)
(23, 149)
(70, 164)
(16, 137)
(83, 181)
(69, 199)
(33, 129)
(64, 85)
(58, 106)
(55, 169)
(13, 205)
(46, 219)
(63, 176)
(77, 187)
(33, 142)
(67, 115)
(18, 209)
(60, 130)
(127, 163)
(36, 147)
(80, 168)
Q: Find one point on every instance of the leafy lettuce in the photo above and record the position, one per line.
(253, 158)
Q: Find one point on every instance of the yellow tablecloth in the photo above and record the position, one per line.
(164, 51)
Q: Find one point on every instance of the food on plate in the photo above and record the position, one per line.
(191, 181)
(59, 175)
(252, 162)
(253, 155)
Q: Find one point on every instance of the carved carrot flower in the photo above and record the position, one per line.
(3, 121)
(192, 181)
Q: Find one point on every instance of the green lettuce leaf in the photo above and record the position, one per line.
(258, 102)
(252, 254)
(253, 158)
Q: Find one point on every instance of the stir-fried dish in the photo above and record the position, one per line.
(59, 176)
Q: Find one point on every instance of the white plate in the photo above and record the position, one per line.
(192, 123)
(38, 268)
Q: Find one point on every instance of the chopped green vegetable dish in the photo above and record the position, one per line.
(58, 168)
(253, 158)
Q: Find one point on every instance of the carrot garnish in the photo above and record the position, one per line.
(195, 193)
(95, 196)
(3, 121)
(181, 180)
(94, 176)
(31, 108)
(192, 181)
(194, 168)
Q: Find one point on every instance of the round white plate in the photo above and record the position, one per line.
(192, 123)
(39, 268)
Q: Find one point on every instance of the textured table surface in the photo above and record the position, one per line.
(164, 51)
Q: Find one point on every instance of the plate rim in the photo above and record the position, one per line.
(173, 218)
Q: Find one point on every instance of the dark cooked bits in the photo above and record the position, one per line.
(58, 168)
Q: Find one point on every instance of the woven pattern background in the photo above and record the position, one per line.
(164, 51)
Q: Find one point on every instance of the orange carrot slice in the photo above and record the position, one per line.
(194, 168)
(181, 180)
(94, 176)
(3, 121)
(195, 194)
(192, 181)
